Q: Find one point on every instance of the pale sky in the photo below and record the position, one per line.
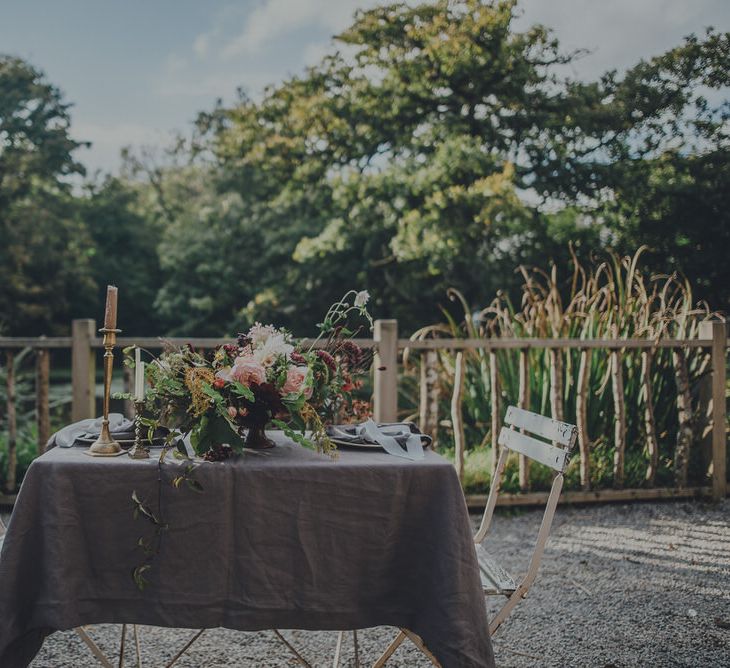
(137, 70)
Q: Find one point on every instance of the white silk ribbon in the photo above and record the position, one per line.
(386, 437)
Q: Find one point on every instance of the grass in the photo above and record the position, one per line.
(477, 467)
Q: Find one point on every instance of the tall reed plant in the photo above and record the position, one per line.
(636, 410)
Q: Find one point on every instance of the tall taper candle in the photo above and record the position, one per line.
(110, 314)
(138, 375)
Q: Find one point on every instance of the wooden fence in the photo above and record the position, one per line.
(84, 343)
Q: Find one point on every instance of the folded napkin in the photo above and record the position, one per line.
(400, 439)
(119, 426)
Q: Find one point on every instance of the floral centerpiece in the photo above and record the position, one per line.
(227, 398)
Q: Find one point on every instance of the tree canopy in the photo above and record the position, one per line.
(44, 248)
(436, 146)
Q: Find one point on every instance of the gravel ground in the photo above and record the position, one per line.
(620, 586)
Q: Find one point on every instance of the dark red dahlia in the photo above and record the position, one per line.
(351, 353)
(328, 360)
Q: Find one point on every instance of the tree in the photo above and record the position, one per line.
(441, 147)
(400, 167)
(44, 270)
(670, 183)
(124, 252)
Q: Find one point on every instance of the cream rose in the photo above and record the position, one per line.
(248, 371)
(273, 348)
(296, 377)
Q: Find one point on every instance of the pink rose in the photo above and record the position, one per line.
(295, 379)
(232, 412)
(248, 371)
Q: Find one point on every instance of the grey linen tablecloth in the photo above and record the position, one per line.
(283, 538)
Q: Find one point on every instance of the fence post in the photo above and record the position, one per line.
(385, 384)
(717, 331)
(581, 418)
(428, 408)
(42, 381)
(457, 416)
(83, 370)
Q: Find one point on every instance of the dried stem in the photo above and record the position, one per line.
(524, 402)
(581, 412)
(617, 377)
(457, 418)
(652, 445)
(684, 417)
(496, 415)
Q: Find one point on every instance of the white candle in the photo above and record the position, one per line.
(138, 375)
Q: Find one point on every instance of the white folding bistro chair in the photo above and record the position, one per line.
(554, 451)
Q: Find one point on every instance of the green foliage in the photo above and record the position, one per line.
(679, 206)
(406, 163)
(26, 414)
(616, 298)
(44, 271)
(26, 450)
(34, 126)
(437, 146)
(398, 164)
(212, 430)
(124, 240)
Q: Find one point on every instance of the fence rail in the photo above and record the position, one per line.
(84, 343)
(157, 343)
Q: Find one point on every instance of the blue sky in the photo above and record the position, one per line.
(138, 70)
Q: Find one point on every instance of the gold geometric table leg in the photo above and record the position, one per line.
(184, 649)
(292, 649)
(338, 650)
(136, 646)
(396, 643)
(357, 650)
(81, 632)
(104, 660)
(121, 645)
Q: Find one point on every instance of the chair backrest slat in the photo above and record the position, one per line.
(542, 452)
(545, 427)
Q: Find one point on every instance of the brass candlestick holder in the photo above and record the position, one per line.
(138, 451)
(105, 445)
